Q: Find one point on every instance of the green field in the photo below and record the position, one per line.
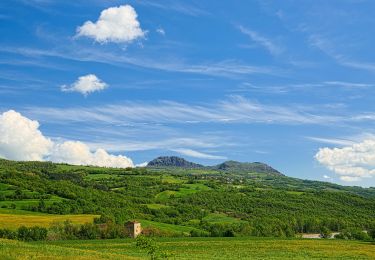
(185, 190)
(173, 229)
(191, 248)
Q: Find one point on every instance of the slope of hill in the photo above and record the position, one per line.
(179, 201)
(172, 161)
(239, 167)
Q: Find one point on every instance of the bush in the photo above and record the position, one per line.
(31, 234)
(8, 234)
(89, 231)
(151, 247)
(325, 232)
(353, 234)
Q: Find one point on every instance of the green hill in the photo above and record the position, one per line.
(204, 201)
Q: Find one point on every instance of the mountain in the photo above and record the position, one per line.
(240, 167)
(228, 166)
(172, 161)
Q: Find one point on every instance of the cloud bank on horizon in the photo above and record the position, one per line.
(351, 163)
(21, 139)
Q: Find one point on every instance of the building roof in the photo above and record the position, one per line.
(133, 222)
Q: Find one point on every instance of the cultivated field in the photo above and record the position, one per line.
(192, 248)
(13, 219)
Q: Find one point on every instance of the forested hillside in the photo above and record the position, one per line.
(174, 201)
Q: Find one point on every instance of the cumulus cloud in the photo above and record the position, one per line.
(78, 153)
(352, 162)
(21, 139)
(115, 24)
(85, 85)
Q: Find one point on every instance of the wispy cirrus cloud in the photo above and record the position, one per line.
(223, 68)
(233, 110)
(163, 143)
(175, 6)
(197, 154)
(335, 141)
(328, 47)
(261, 40)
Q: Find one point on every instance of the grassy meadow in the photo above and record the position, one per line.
(191, 248)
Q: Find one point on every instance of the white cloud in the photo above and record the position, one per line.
(115, 24)
(78, 153)
(261, 40)
(326, 177)
(350, 178)
(144, 164)
(85, 85)
(160, 31)
(21, 139)
(352, 163)
(196, 154)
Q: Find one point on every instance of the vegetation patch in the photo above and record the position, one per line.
(221, 218)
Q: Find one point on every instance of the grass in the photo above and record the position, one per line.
(10, 249)
(14, 220)
(205, 248)
(29, 202)
(167, 227)
(186, 189)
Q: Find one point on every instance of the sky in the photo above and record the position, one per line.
(118, 83)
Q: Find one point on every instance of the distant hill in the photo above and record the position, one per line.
(240, 167)
(172, 161)
(228, 166)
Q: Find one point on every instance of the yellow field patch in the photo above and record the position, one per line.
(13, 221)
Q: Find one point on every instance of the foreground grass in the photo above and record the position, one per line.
(10, 249)
(194, 248)
(14, 220)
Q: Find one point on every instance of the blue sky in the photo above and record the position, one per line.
(288, 83)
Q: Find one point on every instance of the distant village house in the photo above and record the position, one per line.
(134, 228)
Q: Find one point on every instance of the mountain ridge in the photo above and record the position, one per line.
(227, 166)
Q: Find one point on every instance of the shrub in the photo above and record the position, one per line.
(151, 247)
(353, 234)
(31, 234)
(8, 234)
(89, 231)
